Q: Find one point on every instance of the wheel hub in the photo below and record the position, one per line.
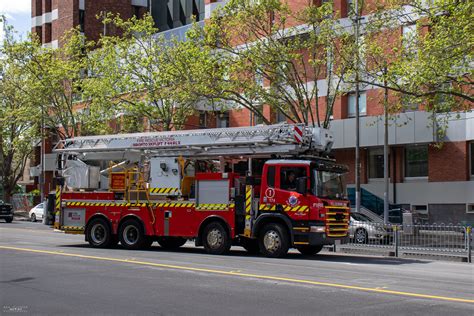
(130, 235)
(360, 236)
(214, 238)
(98, 233)
(272, 241)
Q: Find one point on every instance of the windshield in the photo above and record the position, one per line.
(328, 184)
(360, 217)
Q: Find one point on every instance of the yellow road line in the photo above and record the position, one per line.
(249, 275)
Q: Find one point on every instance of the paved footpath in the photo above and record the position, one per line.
(47, 272)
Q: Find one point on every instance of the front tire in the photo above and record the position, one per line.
(9, 219)
(33, 217)
(216, 239)
(132, 235)
(171, 243)
(308, 250)
(99, 235)
(274, 241)
(361, 236)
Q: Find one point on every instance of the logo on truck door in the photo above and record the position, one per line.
(293, 200)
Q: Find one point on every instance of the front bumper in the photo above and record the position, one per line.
(317, 239)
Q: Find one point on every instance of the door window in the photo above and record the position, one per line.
(289, 175)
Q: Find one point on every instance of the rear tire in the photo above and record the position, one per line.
(216, 239)
(9, 219)
(132, 235)
(308, 250)
(171, 243)
(274, 241)
(99, 235)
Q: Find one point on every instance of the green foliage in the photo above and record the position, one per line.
(19, 118)
(250, 54)
(433, 65)
(138, 75)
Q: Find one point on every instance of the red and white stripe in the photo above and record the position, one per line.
(298, 134)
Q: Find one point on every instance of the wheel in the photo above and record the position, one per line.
(132, 235)
(99, 235)
(308, 250)
(33, 217)
(360, 236)
(274, 241)
(171, 242)
(216, 239)
(251, 245)
(9, 219)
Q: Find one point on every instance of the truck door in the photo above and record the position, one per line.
(294, 204)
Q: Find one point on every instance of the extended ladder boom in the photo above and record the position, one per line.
(289, 139)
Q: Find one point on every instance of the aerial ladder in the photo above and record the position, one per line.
(153, 171)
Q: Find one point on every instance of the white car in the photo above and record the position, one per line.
(363, 229)
(37, 212)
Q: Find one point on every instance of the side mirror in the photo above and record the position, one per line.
(301, 185)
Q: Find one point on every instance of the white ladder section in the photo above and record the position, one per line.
(266, 139)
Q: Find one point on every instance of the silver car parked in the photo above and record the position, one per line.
(363, 230)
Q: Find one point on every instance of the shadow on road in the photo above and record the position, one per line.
(324, 257)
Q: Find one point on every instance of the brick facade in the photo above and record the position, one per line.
(64, 15)
(450, 163)
(447, 164)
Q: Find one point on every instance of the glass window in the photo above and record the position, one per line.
(258, 119)
(351, 104)
(271, 176)
(288, 176)
(202, 119)
(223, 120)
(416, 161)
(82, 14)
(376, 163)
(350, 7)
(409, 36)
(472, 159)
(259, 77)
(328, 184)
(361, 217)
(281, 116)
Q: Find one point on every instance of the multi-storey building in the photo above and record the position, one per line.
(50, 19)
(437, 184)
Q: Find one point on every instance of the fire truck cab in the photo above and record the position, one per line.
(172, 187)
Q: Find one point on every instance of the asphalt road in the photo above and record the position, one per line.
(47, 272)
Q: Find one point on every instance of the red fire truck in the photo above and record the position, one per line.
(266, 188)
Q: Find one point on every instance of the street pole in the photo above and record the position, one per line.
(385, 152)
(357, 116)
(41, 177)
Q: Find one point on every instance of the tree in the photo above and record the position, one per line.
(19, 119)
(254, 56)
(136, 72)
(433, 63)
(59, 76)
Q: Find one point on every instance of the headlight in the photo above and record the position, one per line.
(317, 229)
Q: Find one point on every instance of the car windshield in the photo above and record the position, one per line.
(328, 184)
(39, 205)
(360, 217)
